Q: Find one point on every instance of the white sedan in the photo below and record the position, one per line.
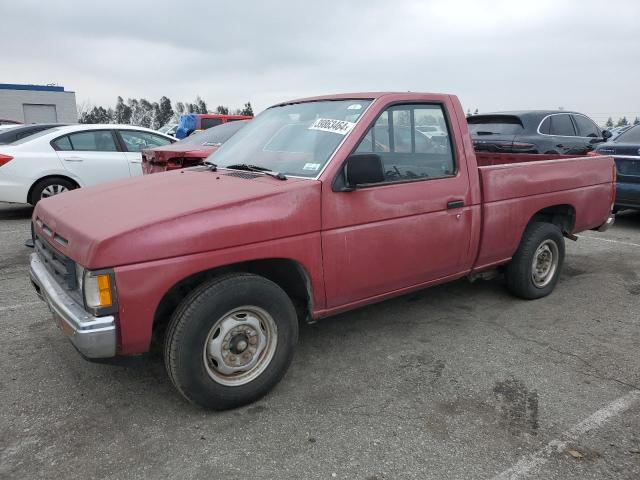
(68, 157)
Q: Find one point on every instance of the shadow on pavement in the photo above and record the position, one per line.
(10, 211)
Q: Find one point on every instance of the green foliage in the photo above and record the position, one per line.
(247, 110)
(622, 122)
(609, 123)
(143, 113)
(96, 115)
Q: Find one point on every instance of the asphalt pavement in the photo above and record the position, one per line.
(460, 381)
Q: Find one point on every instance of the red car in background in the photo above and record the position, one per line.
(190, 151)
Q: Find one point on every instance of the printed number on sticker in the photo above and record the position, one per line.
(335, 126)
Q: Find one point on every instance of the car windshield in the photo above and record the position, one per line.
(214, 136)
(494, 125)
(630, 136)
(296, 139)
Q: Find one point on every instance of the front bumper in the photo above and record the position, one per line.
(94, 337)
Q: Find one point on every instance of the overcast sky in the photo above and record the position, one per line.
(493, 54)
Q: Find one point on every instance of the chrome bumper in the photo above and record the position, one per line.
(94, 337)
(606, 225)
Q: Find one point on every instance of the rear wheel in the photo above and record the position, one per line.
(231, 341)
(535, 267)
(49, 187)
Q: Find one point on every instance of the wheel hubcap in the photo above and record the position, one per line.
(545, 263)
(52, 190)
(240, 346)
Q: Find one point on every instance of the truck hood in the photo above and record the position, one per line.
(175, 213)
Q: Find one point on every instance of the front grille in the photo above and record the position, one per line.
(62, 268)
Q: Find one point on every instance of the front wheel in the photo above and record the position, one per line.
(535, 267)
(231, 341)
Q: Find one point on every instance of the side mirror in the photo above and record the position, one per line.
(606, 134)
(363, 168)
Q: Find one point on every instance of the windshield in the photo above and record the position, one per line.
(214, 136)
(293, 139)
(630, 136)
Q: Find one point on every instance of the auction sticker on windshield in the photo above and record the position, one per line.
(341, 127)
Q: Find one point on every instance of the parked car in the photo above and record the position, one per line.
(63, 158)
(17, 132)
(5, 122)
(169, 129)
(616, 131)
(189, 151)
(315, 207)
(193, 122)
(535, 131)
(625, 149)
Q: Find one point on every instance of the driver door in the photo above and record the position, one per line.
(410, 229)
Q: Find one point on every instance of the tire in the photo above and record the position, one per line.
(543, 244)
(208, 335)
(49, 187)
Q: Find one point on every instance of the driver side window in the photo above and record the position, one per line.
(413, 142)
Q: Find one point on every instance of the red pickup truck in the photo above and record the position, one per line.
(316, 207)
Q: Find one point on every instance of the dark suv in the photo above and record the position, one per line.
(535, 131)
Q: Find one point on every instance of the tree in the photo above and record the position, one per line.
(475, 112)
(156, 116)
(201, 107)
(609, 123)
(96, 115)
(622, 122)
(122, 112)
(141, 112)
(247, 110)
(636, 121)
(222, 109)
(165, 112)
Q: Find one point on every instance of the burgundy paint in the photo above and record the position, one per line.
(355, 247)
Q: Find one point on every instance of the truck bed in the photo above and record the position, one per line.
(513, 192)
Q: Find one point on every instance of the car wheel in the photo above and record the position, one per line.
(535, 267)
(231, 341)
(49, 187)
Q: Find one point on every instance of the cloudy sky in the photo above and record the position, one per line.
(494, 54)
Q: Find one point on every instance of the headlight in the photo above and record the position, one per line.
(99, 292)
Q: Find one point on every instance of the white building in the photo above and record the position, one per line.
(37, 104)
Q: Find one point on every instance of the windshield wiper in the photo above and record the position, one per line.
(482, 132)
(256, 168)
(212, 166)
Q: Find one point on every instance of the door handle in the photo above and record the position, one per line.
(455, 204)
(73, 159)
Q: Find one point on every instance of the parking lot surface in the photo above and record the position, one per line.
(461, 381)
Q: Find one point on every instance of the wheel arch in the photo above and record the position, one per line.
(288, 274)
(561, 215)
(45, 177)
